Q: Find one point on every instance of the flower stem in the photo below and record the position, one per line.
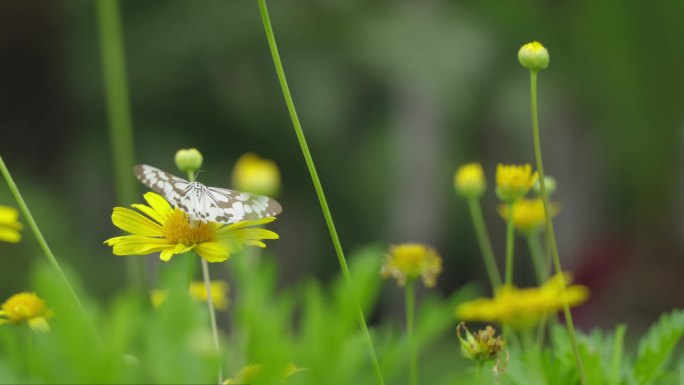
(316, 181)
(115, 84)
(212, 315)
(549, 225)
(410, 315)
(485, 243)
(44, 246)
(510, 237)
(538, 261)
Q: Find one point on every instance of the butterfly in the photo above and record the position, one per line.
(207, 204)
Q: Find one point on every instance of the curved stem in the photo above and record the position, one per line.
(212, 314)
(485, 243)
(44, 246)
(549, 225)
(316, 181)
(510, 236)
(410, 314)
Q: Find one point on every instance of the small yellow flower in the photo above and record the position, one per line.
(169, 231)
(410, 261)
(26, 307)
(524, 308)
(514, 181)
(533, 56)
(198, 292)
(469, 180)
(9, 225)
(256, 175)
(528, 214)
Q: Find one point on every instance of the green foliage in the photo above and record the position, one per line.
(656, 348)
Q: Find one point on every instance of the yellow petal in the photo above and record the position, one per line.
(150, 212)
(137, 245)
(134, 223)
(9, 235)
(158, 203)
(242, 224)
(213, 251)
(178, 249)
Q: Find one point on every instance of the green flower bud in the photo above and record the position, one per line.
(533, 56)
(189, 160)
(469, 181)
(482, 346)
(549, 183)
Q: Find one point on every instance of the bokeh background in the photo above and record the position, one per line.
(393, 97)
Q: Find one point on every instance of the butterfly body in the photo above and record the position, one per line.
(207, 204)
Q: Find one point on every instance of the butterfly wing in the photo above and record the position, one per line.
(230, 206)
(172, 188)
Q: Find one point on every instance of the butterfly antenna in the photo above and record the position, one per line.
(197, 173)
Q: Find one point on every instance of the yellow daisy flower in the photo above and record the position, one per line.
(528, 214)
(9, 225)
(409, 261)
(26, 307)
(198, 292)
(168, 231)
(514, 181)
(524, 308)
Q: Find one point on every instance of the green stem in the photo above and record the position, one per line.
(115, 84)
(537, 256)
(316, 181)
(510, 236)
(485, 243)
(549, 226)
(43, 244)
(212, 315)
(410, 315)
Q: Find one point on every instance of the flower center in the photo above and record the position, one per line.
(178, 229)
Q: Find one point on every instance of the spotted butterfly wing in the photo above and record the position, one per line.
(207, 204)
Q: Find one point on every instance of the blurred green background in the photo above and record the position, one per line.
(393, 96)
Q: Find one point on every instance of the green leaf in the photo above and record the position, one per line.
(656, 347)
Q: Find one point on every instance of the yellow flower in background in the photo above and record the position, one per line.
(198, 292)
(469, 180)
(514, 181)
(528, 214)
(168, 231)
(524, 308)
(410, 261)
(9, 224)
(26, 307)
(256, 175)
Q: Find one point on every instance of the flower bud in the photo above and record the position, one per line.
(189, 160)
(255, 175)
(469, 181)
(482, 346)
(514, 182)
(549, 183)
(533, 56)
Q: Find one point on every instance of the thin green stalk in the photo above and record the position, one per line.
(212, 315)
(410, 316)
(549, 226)
(43, 244)
(115, 84)
(537, 256)
(485, 243)
(316, 181)
(510, 236)
(616, 354)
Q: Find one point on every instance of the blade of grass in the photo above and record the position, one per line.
(316, 181)
(115, 84)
